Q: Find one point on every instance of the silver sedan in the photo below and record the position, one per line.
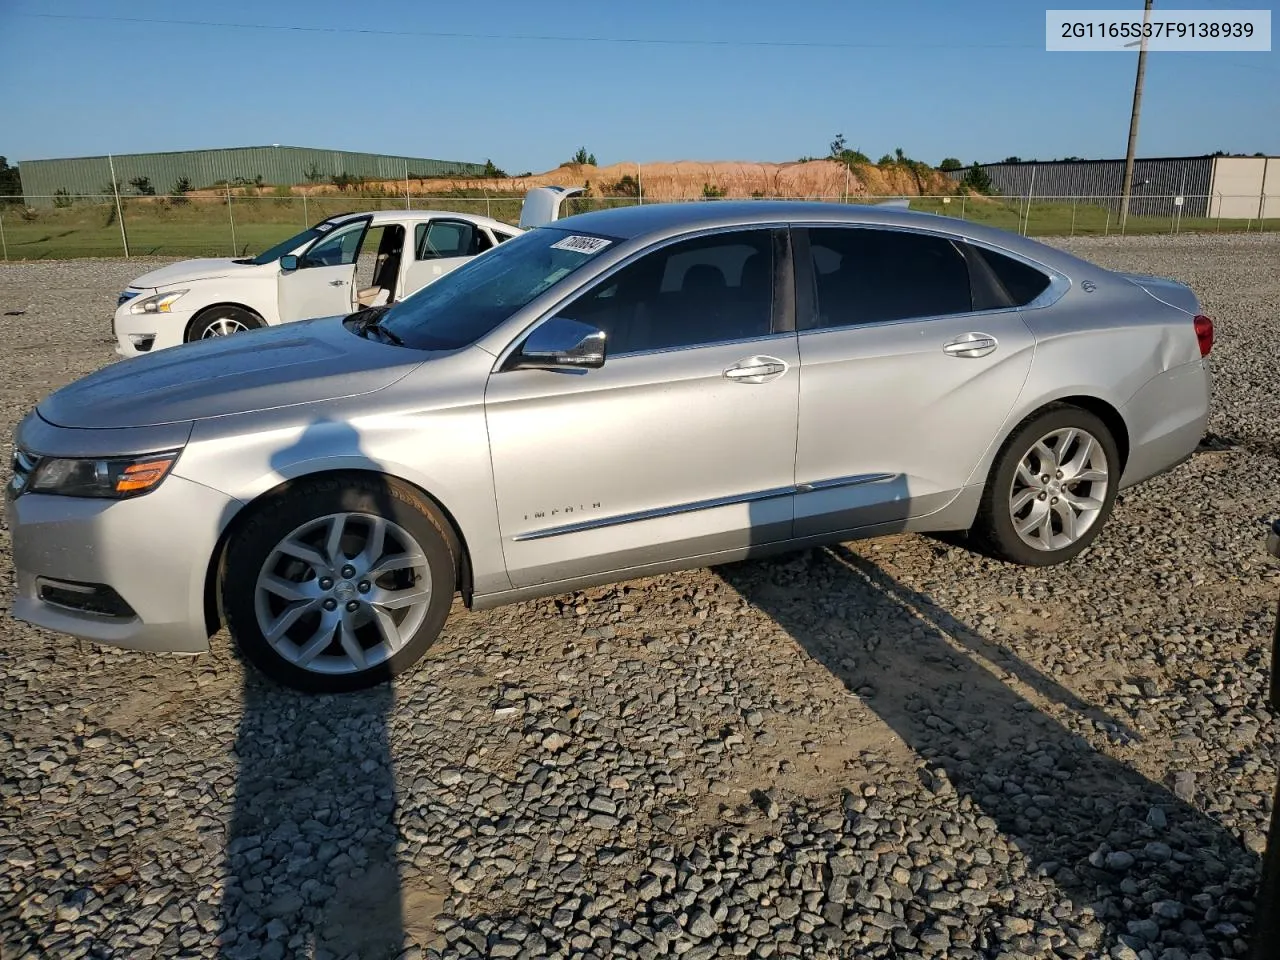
(621, 393)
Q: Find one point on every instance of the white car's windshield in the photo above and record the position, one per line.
(272, 254)
(464, 305)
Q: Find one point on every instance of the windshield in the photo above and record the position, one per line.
(288, 246)
(462, 306)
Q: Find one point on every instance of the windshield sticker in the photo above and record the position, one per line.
(322, 227)
(585, 245)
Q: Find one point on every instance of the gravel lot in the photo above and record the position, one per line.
(891, 749)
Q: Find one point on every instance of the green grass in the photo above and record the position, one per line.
(202, 227)
(1059, 219)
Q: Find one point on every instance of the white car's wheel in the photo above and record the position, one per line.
(221, 322)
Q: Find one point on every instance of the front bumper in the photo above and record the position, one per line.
(153, 551)
(155, 330)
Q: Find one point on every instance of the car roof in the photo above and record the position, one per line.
(401, 216)
(659, 220)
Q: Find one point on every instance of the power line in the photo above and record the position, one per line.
(531, 37)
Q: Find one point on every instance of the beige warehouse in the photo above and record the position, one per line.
(1245, 187)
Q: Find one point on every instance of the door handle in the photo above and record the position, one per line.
(971, 345)
(337, 283)
(756, 370)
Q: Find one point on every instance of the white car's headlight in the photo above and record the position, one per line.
(114, 478)
(160, 303)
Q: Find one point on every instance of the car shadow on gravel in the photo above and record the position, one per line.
(311, 867)
(1106, 835)
(311, 861)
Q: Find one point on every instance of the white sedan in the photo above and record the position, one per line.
(341, 264)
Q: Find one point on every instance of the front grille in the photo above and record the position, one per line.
(126, 296)
(95, 598)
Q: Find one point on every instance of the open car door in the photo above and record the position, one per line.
(542, 205)
(321, 280)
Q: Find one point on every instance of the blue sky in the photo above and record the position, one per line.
(937, 78)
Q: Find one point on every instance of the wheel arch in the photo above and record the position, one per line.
(199, 315)
(1111, 418)
(213, 616)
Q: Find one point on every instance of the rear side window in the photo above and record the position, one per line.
(871, 276)
(441, 239)
(1021, 282)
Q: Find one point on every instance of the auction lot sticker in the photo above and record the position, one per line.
(579, 244)
(1164, 30)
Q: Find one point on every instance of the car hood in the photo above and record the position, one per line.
(188, 270)
(283, 366)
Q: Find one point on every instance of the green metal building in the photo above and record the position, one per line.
(277, 166)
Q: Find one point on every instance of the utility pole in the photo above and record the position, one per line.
(1127, 188)
(115, 191)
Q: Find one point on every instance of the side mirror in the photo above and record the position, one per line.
(560, 344)
(288, 263)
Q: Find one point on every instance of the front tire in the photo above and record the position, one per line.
(222, 322)
(341, 584)
(1051, 488)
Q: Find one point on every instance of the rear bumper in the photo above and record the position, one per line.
(1166, 420)
(153, 551)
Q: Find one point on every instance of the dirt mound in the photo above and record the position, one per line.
(685, 179)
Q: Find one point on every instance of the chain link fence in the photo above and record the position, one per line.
(243, 222)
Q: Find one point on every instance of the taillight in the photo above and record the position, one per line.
(1204, 334)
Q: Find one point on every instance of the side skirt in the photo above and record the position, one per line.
(957, 515)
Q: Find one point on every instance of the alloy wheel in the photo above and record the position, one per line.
(1059, 489)
(342, 593)
(223, 327)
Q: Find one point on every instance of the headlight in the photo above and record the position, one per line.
(115, 478)
(160, 303)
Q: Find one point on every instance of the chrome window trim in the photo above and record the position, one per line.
(1058, 286)
(767, 338)
(655, 514)
(604, 275)
(845, 328)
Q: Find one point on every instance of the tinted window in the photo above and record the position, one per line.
(444, 238)
(707, 290)
(1021, 282)
(467, 303)
(339, 248)
(869, 276)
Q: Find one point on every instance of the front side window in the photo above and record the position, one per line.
(865, 275)
(706, 290)
(339, 248)
(467, 303)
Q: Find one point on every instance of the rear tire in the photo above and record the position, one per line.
(1051, 488)
(222, 322)
(341, 584)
